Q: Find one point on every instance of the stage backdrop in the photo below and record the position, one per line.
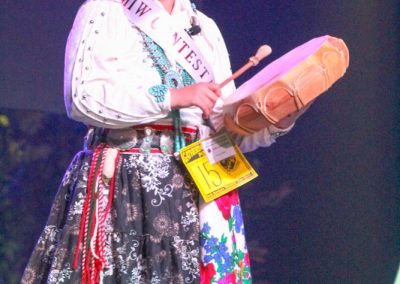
(325, 208)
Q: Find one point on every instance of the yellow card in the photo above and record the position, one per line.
(214, 180)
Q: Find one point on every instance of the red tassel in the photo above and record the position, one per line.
(91, 266)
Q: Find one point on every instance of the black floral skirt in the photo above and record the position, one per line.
(151, 231)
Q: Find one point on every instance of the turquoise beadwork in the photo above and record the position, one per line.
(171, 79)
(159, 91)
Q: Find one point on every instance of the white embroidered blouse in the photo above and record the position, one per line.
(108, 72)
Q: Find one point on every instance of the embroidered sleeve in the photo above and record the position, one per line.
(109, 79)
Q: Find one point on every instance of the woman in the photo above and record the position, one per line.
(126, 211)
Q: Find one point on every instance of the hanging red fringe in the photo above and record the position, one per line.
(92, 236)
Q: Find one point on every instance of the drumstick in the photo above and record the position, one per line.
(262, 52)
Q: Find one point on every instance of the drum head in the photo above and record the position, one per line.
(276, 69)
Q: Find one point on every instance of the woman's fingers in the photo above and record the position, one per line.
(215, 88)
(206, 107)
(207, 99)
(202, 95)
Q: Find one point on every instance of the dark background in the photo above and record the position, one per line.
(325, 208)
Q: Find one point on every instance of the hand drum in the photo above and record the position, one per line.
(287, 85)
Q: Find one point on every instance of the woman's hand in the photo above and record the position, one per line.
(202, 95)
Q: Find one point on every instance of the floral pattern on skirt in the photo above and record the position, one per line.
(224, 256)
(153, 229)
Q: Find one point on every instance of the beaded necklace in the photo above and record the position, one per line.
(171, 79)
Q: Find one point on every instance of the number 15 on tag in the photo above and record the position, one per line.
(228, 169)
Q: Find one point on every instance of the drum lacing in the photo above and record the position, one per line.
(294, 93)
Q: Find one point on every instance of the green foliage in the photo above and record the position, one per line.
(4, 121)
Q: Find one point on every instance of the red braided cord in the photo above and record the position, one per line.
(86, 255)
(85, 209)
(104, 214)
(102, 233)
(93, 270)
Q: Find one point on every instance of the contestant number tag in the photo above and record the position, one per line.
(214, 180)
